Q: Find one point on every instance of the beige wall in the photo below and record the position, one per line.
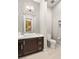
(20, 4)
(47, 21)
(56, 15)
(35, 25)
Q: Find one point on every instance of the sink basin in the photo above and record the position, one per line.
(29, 35)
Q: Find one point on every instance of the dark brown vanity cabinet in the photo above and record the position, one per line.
(29, 46)
(20, 47)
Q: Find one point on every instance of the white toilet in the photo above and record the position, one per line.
(51, 43)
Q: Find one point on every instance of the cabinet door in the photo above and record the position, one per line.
(20, 48)
(31, 46)
(40, 43)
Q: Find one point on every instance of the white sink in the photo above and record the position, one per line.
(29, 35)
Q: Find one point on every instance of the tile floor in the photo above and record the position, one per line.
(49, 53)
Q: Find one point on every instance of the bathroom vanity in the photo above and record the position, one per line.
(29, 44)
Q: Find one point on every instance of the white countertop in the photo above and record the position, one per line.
(29, 35)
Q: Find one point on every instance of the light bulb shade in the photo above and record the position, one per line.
(29, 8)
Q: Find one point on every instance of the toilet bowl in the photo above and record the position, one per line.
(51, 43)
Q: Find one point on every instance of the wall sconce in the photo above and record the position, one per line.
(29, 8)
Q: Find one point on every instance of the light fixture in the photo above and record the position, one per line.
(37, 1)
(29, 8)
(52, 1)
